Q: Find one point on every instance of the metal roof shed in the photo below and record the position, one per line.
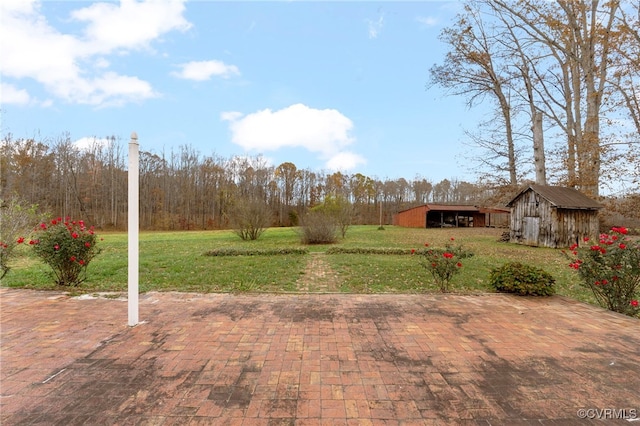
(552, 216)
(440, 216)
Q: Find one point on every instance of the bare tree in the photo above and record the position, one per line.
(579, 36)
(474, 68)
(287, 176)
(249, 217)
(565, 59)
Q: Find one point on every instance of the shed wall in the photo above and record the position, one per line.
(479, 220)
(536, 222)
(574, 225)
(413, 218)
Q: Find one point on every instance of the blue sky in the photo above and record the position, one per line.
(324, 85)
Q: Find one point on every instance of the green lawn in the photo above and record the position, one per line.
(176, 261)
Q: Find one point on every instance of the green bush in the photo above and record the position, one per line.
(67, 247)
(249, 217)
(610, 268)
(256, 252)
(16, 219)
(369, 250)
(443, 263)
(318, 227)
(524, 280)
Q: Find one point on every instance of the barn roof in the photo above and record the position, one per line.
(561, 197)
(444, 207)
(452, 208)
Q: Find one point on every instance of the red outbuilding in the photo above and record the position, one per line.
(451, 216)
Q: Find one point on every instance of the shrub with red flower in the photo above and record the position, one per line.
(67, 247)
(611, 270)
(444, 263)
(16, 218)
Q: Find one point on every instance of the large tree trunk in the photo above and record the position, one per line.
(538, 150)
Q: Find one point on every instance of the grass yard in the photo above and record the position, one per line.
(175, 261)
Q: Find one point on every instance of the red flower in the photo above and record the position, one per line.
(81, 262)
(72, 258)
(88, 244)
(20, 240)
(459, 265)
(573, 247)
(54, 222)
(74, 235)
(32, 242)
(43, 225)
(622, 246)
(620, 230)
(452, 239)
(585, 239)
(595, 248)
(447, 255)
(634, 303)
(426, 244)
(56, 247)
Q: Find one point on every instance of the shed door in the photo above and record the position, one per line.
(531, 230)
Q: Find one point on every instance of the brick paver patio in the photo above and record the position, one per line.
(322, 359)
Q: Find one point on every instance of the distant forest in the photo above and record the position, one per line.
(184, 190)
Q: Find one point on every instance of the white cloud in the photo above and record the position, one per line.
(75, 68)
(87, 143)
(130, 24)
(427, 21)
(325, 132)
(375, 26)
(204, 70)
(230, 115)
(113, 89)
(18, 6)
(33, 49)
(11, 95)
(344, 161)
(101, 63)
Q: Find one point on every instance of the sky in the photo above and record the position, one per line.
(326, 85)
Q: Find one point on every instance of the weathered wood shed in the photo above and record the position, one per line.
(552, 216)
(444, 216)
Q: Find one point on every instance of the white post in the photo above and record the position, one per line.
(133, 229)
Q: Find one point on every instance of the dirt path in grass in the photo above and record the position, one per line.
(318, 276)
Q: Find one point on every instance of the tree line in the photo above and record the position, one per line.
(185, 190)
(562, 73)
